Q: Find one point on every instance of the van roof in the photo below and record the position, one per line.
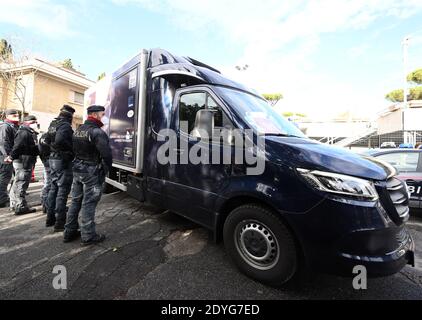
(162, 61)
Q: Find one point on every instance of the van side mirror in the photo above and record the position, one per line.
(204, 125)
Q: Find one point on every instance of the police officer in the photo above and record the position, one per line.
(59, 138)
(44, 150)
(8, 129)
(24, 156)
(92, 162)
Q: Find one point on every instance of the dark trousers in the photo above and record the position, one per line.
(6, 172)
(86, 193)
(61, 183)
(20, 186)
(47, 183)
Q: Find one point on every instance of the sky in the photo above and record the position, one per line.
(325, 56)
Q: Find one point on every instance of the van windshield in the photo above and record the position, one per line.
(258, 114)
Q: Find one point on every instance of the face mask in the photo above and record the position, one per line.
(34, 126)
(14, 120)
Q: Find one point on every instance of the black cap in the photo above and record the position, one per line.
(30, 118)
(9, 112)
(68, 108)
(95, 108)
(67, 112)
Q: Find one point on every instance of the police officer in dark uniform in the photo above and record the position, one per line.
(24, 156)
(92, 162)
(44, 150)
(59, 138)
(8, 129)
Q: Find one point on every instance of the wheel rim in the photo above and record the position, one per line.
(257, 244)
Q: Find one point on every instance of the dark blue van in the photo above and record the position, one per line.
(306, 204)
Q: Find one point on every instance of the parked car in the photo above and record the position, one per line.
(388, 145)
(406, 146)
(311, 205)
(409, 166)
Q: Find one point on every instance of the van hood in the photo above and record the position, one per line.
(312, 155)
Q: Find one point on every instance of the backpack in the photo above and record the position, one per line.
(44, 146)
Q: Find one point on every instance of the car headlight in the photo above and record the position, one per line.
(340, 184)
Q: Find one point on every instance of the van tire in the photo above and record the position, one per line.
(260, 244)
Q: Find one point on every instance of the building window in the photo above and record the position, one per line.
(77, 97)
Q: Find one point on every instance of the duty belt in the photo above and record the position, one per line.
(87, 162)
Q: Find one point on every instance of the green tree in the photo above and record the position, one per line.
(415, 77)
(6, 52)
(101, 76)
(291, 114)
(397, 95)
(68, 64)
(415, 93)
(273, 98)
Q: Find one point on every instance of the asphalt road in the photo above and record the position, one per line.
(151, 254)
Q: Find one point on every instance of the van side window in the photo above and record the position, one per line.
(189, 105)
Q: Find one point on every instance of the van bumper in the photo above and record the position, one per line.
(378, 265)
(336, 237)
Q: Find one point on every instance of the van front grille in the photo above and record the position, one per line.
(402, 236)
(399, 197)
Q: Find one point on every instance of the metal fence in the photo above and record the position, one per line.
(398, 137)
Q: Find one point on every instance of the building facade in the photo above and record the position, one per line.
(41, 88)
(344, 126)
(398, 124)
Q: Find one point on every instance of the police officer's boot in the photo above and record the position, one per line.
(51, 220)
(71, 236)
(97, 239)
(59, 226)
(25, 210)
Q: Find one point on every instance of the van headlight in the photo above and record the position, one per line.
(340, 184)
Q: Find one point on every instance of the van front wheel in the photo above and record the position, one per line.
(260, 244)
